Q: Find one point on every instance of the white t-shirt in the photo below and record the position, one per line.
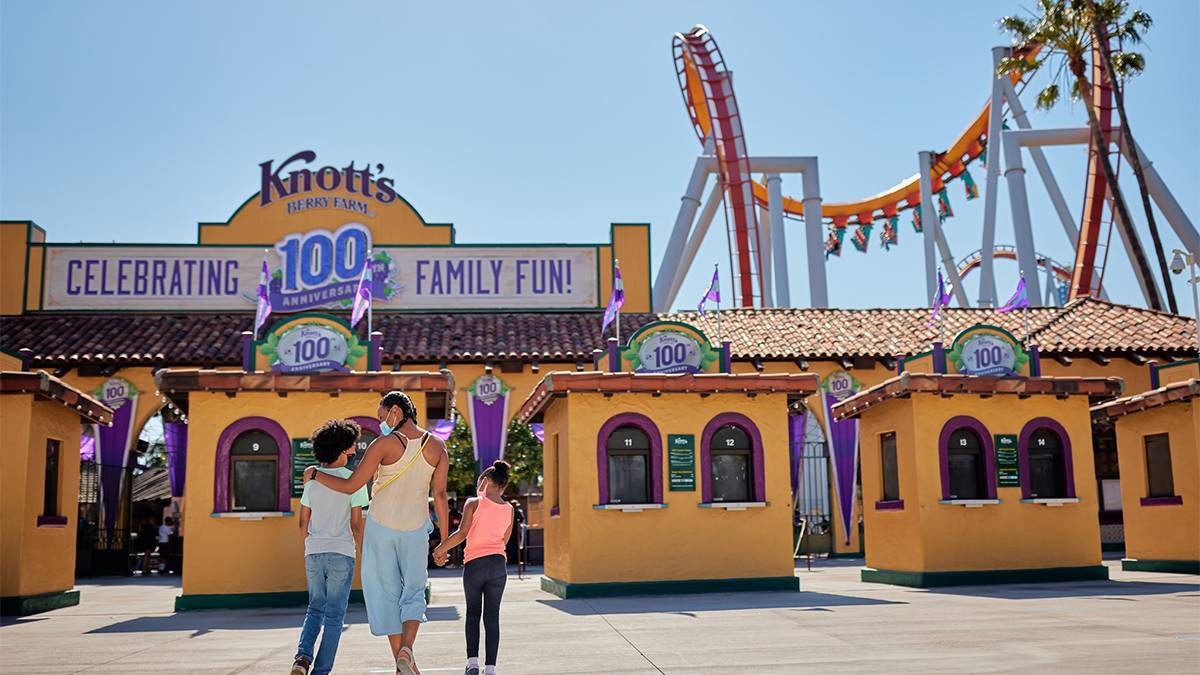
(164, 533)
(329, 524)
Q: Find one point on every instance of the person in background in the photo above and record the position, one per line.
(331, 524)
(146, 535)
(513, 550)
(487, 524)
(456, 554)
(164, 543)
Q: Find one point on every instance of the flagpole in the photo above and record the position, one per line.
(268, 291)
(367, 265)
(617, 265)
(716, 272)
(1025, 312)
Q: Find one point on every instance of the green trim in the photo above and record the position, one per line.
(1112, 546)
(985, 577)
(1189, 362)
(1174, 566)
(185, 603)
(566, 590)
(21, 605)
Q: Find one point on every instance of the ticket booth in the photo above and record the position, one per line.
(248, 446)
(979, 478)
(1158, 443)
(39, 486)
(666, 482)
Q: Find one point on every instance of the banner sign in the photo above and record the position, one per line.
(312, 343)
(302, 458)
(114, 442)
(319, 269)
(1008, 465)
(488, 400)
(843, 443)
(987, 350)
(669, 347)
(681, 462)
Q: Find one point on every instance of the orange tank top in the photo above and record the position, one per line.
(488, 525)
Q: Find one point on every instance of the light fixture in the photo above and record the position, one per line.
(1177, 262)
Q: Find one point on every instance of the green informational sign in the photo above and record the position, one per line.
(302, 458)
(1008, 466)
(681, 462)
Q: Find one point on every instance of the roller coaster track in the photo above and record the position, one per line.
(972, 260)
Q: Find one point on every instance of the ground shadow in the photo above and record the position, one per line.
(1099, 590)
(200, 622)
(714, 602)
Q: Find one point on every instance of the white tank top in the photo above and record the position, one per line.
(403, 504)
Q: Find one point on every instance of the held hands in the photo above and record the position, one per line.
(441, 555)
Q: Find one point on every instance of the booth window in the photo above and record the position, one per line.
(731, 461)
(628, 461)
(731, 465)
(254, 468)
(891, 470)
(50, 481)
(558, 473)
(967, 459)
(1160, 480)
(1047, 476)
(628, 466)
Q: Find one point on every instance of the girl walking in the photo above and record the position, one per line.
(486, 526)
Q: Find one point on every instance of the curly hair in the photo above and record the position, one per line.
(333, 438)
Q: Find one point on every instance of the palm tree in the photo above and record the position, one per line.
(1117, 66)
(1064, 30)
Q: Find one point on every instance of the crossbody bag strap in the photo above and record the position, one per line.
(417, 455)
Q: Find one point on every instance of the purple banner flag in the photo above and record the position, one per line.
(616, 301)
(175, 438)
(796, 445)
(713, 293)
(843, 444)
(442, 429)
(940, 299)
(1019, 299)
(488, 398)
(264, 298)
(539, 430)
(113, 443)
(87, 447)
(362, 296)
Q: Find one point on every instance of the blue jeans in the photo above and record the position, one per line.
(329, 579)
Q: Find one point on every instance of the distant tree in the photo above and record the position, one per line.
(463, 470)
(524, 452)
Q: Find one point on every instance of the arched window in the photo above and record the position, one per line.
(629, 461)
(731, 465)
(253, 467)
(254, 472)
(731, 461)
(968, 461)
(1045, 458)
(628, 466)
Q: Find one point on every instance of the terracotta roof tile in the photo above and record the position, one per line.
(158, 340)
(1176, 392)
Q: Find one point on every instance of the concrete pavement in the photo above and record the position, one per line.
(1136, 621)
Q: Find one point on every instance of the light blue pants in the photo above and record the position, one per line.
(329, 578)
(394, 574)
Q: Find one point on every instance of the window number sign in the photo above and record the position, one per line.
(1008, 465)
(681, 457)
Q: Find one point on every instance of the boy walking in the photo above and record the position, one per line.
(331, 524)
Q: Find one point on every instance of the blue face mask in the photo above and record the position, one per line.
(385, 428)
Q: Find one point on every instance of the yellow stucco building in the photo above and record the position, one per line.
(42, 418)
(1158, 441)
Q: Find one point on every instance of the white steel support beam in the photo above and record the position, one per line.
(1014, 175)
(764, 237)
(1043, 167)
(669, 266)
(928, 221)
(814, 235)
(783, 294)
(711, 205)
(1170, 208)
(960, 294)
(987, 267)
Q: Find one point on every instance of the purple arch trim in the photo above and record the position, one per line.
(225, 446)
(759, 491)
(651, 430)
(989, 452)
(1023, 454)
(367, 423)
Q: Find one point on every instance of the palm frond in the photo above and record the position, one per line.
(1047, 97)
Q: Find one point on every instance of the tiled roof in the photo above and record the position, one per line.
(949, 384)
(173, 380)
(563, 382)
(1084, 326)
(1182, 391)
(51, 388)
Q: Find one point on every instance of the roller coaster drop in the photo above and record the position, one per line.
(755, 211)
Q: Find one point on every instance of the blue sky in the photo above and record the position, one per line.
(536, 122)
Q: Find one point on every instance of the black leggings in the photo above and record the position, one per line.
(483, 582)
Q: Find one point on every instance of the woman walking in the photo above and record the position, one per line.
(403, 461)
(486, 526)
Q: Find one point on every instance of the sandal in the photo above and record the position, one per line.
(406, 663)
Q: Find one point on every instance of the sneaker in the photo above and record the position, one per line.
(471, 671)
(300, 665)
